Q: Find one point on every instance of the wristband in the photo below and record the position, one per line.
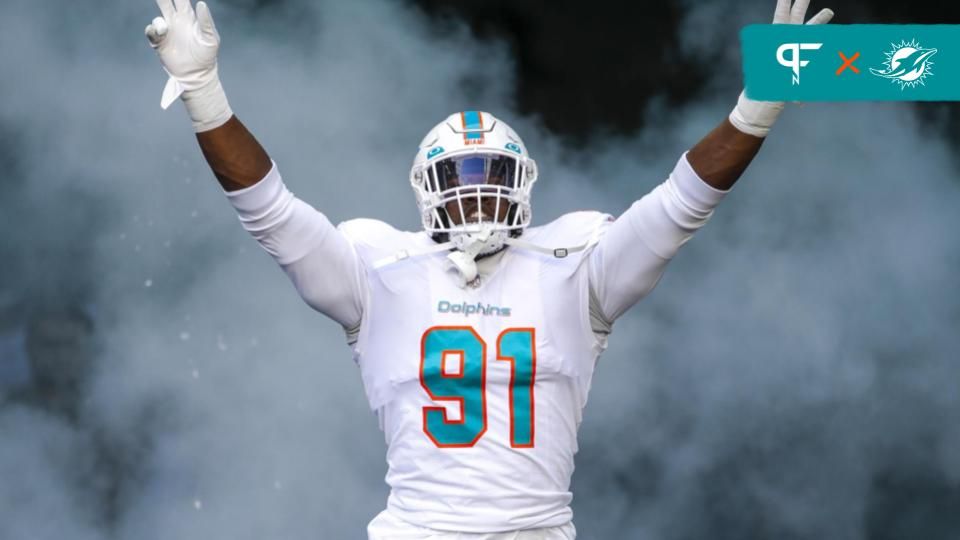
(207, 106)
(755, 117)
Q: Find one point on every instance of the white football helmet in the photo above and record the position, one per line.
(472, 178)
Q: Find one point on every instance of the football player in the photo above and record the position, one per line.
(477, 336)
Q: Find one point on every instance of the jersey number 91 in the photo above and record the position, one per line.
(466, 385)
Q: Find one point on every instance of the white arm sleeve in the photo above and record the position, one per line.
(633, 253)
(319, 260)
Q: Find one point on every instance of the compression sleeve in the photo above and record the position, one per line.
(317, 258)
(633, 253)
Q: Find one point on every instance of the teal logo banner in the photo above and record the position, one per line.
(857, 62)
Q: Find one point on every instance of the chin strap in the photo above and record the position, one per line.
(463, 262)
(557, 253)
(406, 254)
(464, 259)
(463, 255)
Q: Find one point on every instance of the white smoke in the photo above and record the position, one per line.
(800, 346)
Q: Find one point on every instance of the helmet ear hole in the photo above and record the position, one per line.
(531, 171)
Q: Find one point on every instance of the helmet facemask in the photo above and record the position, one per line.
(474, 195)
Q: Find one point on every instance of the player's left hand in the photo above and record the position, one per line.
(757, 117)
(787, 14)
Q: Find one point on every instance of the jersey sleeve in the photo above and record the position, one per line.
(317, 258)
(633, 253)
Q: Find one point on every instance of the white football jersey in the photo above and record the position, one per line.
(479, 390)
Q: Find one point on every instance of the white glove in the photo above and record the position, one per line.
(757, 117)
(187, 43)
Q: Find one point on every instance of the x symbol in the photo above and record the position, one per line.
(848, 62)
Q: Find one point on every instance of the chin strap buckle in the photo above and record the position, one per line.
(465, 266)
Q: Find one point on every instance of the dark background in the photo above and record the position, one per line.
(576, 61)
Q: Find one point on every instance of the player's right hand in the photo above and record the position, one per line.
(187, 43)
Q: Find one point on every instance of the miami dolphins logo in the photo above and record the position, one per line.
(908, 64)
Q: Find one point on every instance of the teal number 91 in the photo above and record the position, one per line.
(465, 383)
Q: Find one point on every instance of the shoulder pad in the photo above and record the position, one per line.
(572, 229)
(375, 239)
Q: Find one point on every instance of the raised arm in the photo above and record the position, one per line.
(319, 260)
(234, 155)
(187, 42)
(722, 156)
(633, 254)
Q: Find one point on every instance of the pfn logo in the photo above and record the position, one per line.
(794, 62)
